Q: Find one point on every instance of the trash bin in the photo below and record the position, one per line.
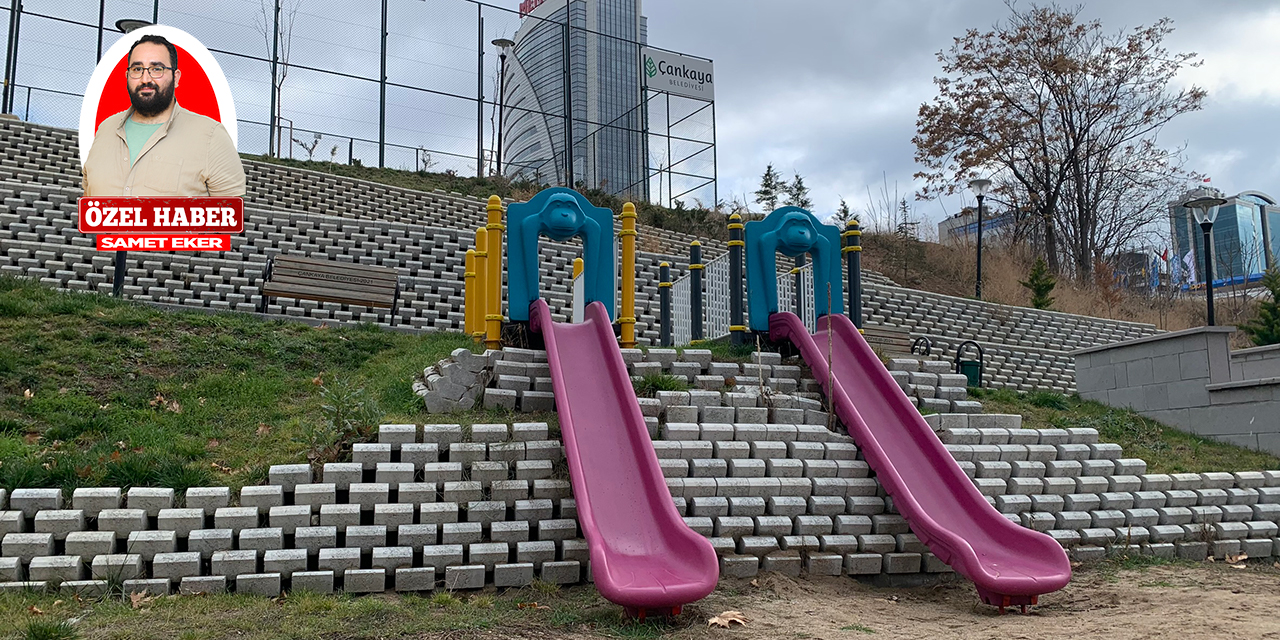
(972, 369)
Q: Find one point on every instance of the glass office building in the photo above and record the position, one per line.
(605, 147)
(1242, 236)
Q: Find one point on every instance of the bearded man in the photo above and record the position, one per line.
(157, 148)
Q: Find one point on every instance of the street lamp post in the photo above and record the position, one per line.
(1205, 205)
(979, 187)
(503, 45)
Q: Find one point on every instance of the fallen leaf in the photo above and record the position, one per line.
(63, 391)
(115, 456)
(1237, 558)
(201, 401)
(1210, 559)
(57, 602)
(317, 381)
(220, 467)
(531, 605)
(213, 443)
(157, 401)
(263, 428)
(28, 395)
(1239, 566)
(104, 406)
(174, 407)
(727, 618)
(139, 600)
(755, 583)
(35, 610)
(1276, 565)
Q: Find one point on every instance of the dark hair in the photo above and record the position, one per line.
(154, 39)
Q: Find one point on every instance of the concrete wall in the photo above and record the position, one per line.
(1190, 380)
(1258, 362)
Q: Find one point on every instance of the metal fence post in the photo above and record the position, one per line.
(382, 94)
(737, 324)
(695, 289)
(853, 256)
(272, 121)
(664, 304)
(11, 56)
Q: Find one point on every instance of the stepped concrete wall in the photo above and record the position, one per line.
(1191, 380)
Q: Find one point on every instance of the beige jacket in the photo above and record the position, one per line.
(190, 155)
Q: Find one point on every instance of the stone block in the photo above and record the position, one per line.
(117, 567)
(197, 585)
(234, 563)
(208, 499)
(286, 476)
(259, 584)
(464, 577)
(315, 495)
(31, 501)
(56, 569)
(364, 580)
(148, 586)
(122, 522)
(313, 581)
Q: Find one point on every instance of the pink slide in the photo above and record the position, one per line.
(643, 556)
(1010, 565)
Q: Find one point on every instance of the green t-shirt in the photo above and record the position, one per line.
(137, 135)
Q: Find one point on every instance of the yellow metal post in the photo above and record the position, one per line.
(482, 281)
(493, 302)
(469, 299)
(627, 314)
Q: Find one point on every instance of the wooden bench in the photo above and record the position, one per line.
(330, 281)
(890, 341)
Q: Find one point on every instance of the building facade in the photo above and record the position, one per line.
(1244, 244)
(603, 143)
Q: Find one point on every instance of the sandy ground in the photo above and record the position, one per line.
(1209, 601)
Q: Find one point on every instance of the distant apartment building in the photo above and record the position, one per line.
(962, 228)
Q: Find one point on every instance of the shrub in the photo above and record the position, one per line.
(1040, 283)
(1265, 329)
(652, 383)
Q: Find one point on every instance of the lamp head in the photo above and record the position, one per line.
(504, 43)
(1204, 204)
(979, 186)
(125, 25)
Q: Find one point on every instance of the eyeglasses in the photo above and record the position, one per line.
(156, 71)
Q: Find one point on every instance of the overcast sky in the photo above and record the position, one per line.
(826, 88)
(830, 88)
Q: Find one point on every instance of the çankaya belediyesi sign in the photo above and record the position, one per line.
(677, 74)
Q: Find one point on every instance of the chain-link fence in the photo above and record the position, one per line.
(423, 94)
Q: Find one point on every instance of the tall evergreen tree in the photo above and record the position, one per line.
(798, 194)
(771, 188)
(842, 216)
(1265, 329)
(1040, 283)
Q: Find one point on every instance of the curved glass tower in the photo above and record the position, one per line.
(599, 86)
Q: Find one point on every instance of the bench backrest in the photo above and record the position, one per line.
(330, 281)
(891, 341)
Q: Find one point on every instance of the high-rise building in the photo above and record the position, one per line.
(1243, 234)
(601, 88)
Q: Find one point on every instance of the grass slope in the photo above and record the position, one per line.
(100, 392)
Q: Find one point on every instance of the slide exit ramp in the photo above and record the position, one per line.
(643, 555)
(1010, 565)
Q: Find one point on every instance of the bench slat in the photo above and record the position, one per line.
(324, 294)
(296, 262)
(336, 279)
(347, 288)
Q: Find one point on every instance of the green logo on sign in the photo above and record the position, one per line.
(649, 67)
